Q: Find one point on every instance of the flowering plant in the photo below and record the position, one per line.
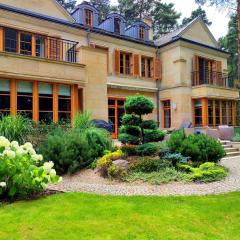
(22, 171)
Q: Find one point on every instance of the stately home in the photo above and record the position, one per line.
(54, 64)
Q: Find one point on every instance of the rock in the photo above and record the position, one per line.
(121, 164)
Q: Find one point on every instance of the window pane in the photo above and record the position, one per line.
(210, 112)
(64, 104)
(25, 44)
(24, 87)
(149, 68)
(121, 64)
(120, 103)
(45, 89)
(217, 107)
(24, 103)
(117, 24)
(4, 102)
(128, 64)
(64, 90)
(111, 102)
(40, 46)
(5, 86)
(143, 67)
(64, 116)
(224, 112)
(230, 117)
(45, 104)
(198, 112)
(11, 40)
(46, 117)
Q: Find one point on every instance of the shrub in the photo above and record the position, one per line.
(149, 124)
(21, 170)
(128, 139)
(15, 128)
(133, 130)
(131, 119)
(83, 121)
(236, 137)
(153, 135)
(176, 140)
(148, 165)
(175, 158)
(147, 149)
(207, 172)
(163, 149)
(129, 150)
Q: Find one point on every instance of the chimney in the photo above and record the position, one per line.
(149, 22)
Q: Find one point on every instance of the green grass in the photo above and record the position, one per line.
(76, 216)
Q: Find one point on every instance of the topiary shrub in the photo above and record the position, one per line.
(129, 150)
(176, 140)
(135, 130)
(147, 149)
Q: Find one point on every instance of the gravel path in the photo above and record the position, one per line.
(88, 181)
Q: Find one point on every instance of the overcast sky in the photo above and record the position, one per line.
(218, 17)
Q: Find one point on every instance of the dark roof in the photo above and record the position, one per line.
(73, 25)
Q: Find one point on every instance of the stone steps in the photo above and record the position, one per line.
(229, 149)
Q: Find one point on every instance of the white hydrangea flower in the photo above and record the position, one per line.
(4, 142)
(44, 185)
(15, 144)
(37, 179)
(60, 179)
(53, 173)
(37, 157)
(9, 153)
(3, 184)
(31, 151)
(40, 157)
(28, 145)
(47, 166)
(20, 151)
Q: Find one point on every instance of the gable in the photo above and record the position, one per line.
(47, 7)
(199, 32)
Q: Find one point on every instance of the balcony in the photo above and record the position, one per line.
(212, 78)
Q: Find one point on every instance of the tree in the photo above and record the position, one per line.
(164, 15)
(68, 4)
(199, 12)
(103, 7)
(229, 42)
(135, 130)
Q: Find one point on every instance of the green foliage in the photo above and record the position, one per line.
(153, 135)
(103, 7)
(128, 139)
(207, 172)
(175, 158)
(83, 121)
(149, 124)
(199, 147)
(148, 165)
(199, 12)
(15, 128)
(129, 150)
(165, 175)
(236, 137)
(133, 130)
(21, 170)
(68, 4)
(139, 105)
(131, 119)
(147, 149)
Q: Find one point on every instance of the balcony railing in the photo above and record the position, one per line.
(212, 78)
(36, 45)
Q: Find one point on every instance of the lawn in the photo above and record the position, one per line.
(82, 216)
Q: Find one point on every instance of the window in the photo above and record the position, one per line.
(45, 102)
(167, 113)
(117, 25)
(40, 46)
(64, 102)
(142, 33)
(218, 112)
(125, 63)
(147, 67)
(88, 17)
(4, 97)
(26, 44)
(198, 112)
(25, 98)
(11, 40)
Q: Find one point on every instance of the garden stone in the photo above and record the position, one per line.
(121, 164)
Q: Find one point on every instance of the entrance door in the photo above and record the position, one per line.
(115, 114)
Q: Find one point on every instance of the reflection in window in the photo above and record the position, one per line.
(4, 97)
(25, 98)
(45, 102)
(40, 46)
(11, 40)
(167, 113)
(64, 102)
(26, 44)
(198, 112)
(210, 112)
(217, 110)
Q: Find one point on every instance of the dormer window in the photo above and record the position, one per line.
(88, 16)
(117, 25)
(142, 33)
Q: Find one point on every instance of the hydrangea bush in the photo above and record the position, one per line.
(22, 172)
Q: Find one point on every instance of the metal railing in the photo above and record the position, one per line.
(212, 78)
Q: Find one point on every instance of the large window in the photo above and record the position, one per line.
(88, 17)
(4, 97)
(217, 112)
(147, 67)
(25, 98)
(125, 63)
(11, 40)
(45, 102)
(64, 102)
(167, 113)
(142, 33)
(26, 44)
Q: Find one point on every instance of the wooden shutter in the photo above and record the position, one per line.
(117, 61)
(214, 69)
(1, 39)
(158, 69)
(195, 71)
(136, 65)
(55, 49)
(219, 73)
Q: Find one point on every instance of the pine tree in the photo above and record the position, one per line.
(68, 4)
(199, 12)
(103, 7)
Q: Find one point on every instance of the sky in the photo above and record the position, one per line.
(218, 17)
